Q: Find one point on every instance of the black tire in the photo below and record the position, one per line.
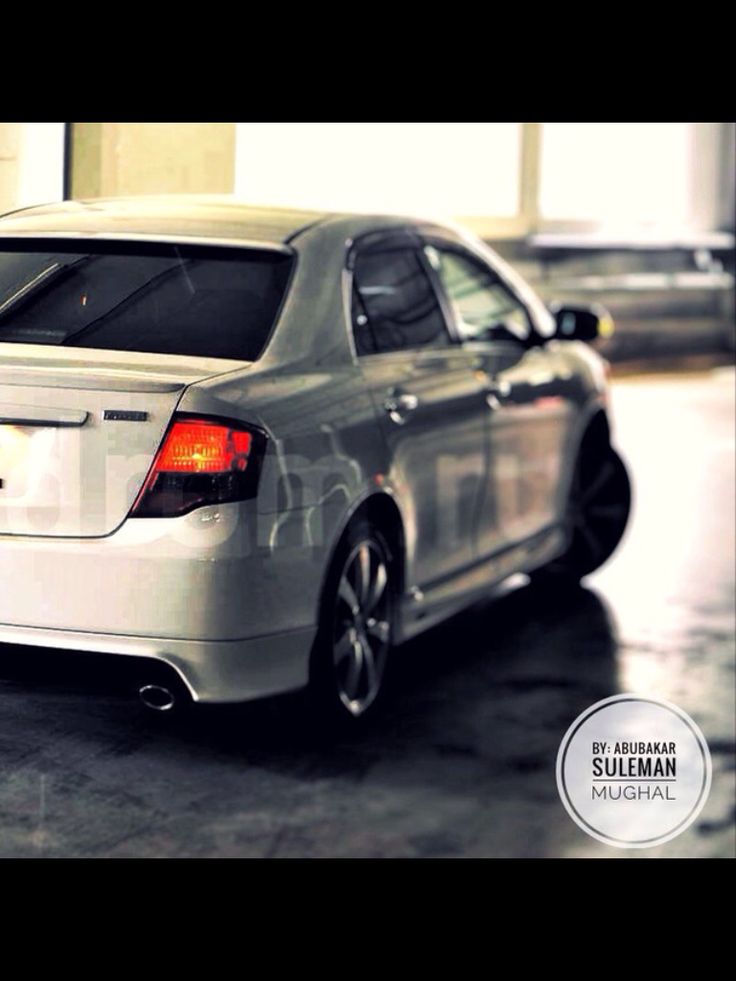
(350, 655)
(597, 516)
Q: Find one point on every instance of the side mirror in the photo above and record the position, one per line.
(582, 323)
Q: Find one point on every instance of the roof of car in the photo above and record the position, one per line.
(197, 216)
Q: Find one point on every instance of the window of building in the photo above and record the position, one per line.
(617, 175)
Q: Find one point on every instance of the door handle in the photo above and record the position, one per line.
(399, 406)
(496, 393)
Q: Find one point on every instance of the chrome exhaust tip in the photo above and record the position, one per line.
(157, 698)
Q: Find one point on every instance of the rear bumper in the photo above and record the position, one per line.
(212, 671)
(219, 573)
(226, 596)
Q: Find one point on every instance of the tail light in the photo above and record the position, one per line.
(201, 461)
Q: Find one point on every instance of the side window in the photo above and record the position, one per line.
(485, 309)
(394, 304)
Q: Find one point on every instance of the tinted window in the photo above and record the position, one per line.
(485, 309)
(394, 304)
(218, 303)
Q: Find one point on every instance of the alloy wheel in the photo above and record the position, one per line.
(598, 511)
(362, 626)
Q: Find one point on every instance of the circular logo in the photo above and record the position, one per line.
(633, 772)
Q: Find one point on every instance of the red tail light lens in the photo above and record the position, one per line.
(202, 447)
(201, 461)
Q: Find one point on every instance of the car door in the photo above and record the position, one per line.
(528, 413)
(430, 403)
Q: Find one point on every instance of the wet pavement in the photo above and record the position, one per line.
(461, 761)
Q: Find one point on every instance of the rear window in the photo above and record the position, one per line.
(160, 299)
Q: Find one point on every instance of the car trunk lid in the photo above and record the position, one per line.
(79, 430)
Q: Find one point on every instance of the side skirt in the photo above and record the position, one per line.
(424, 608)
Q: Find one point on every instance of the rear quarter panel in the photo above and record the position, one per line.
(324, 456)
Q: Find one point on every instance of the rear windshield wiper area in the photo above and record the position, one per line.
(27, 280)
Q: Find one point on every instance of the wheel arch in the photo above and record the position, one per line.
(380, 510)
(595, 432)
(592, 432)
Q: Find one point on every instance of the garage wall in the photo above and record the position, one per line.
(31, 164)
(152, 158)
(9, 152)
(497, 179)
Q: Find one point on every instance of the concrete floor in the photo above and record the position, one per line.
(461, 762)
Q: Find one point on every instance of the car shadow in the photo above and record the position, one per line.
(460, 759)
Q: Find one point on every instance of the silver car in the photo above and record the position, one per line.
(253, 450)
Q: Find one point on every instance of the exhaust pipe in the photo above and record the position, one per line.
(157, 698)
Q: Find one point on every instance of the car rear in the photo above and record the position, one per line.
(126, 525)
